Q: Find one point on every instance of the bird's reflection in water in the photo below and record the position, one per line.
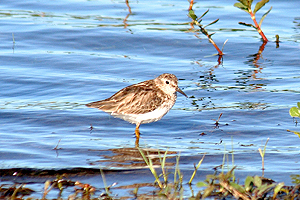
(137, 142)
(131, 158)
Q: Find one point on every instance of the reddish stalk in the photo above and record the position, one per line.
(220, 53)
(202, 28)
(257, 26)
(191, 5)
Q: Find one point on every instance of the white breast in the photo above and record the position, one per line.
(146, 117)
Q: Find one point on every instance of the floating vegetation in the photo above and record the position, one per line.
(295, 111)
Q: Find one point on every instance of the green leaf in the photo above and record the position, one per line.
(257, 181)
(212, 23)
(294, 112)
(264, 189)
(298, 105)
(277, 189)
(207, 192)
(203, 14)
(241, 6)
(247, 3)
(264, 16)
(237, 187)
(201, 184)
(259, 5)
(229, 174)
(211, 176)
(192, 15)
(244, 24)
(248, 183)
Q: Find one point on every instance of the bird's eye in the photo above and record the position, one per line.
(167, 82)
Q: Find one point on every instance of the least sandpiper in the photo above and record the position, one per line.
(143, 102)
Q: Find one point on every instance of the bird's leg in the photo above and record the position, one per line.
(137, 142)
(137, 131)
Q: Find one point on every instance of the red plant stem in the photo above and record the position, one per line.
(191, 5)
(220, 53)
(257, 26)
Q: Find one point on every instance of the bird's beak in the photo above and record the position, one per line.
(179, 90)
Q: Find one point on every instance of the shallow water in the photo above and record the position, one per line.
(55, 58)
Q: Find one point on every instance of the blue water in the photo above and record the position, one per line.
(56, 56)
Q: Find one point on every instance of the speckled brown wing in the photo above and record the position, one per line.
(131, 100)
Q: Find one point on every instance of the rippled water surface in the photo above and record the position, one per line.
(56, 56)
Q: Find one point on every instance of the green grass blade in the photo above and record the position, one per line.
(104, 182)
(196, 168)
(163, 166)
(150, 165)
(144, 157)
(177, 170)
(266, 146)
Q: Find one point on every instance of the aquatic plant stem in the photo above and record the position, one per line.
(220, 53)
(104, 181)
(245, 5)
(177, 171)
(257, 26)
(191, 5)
(262, 154)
